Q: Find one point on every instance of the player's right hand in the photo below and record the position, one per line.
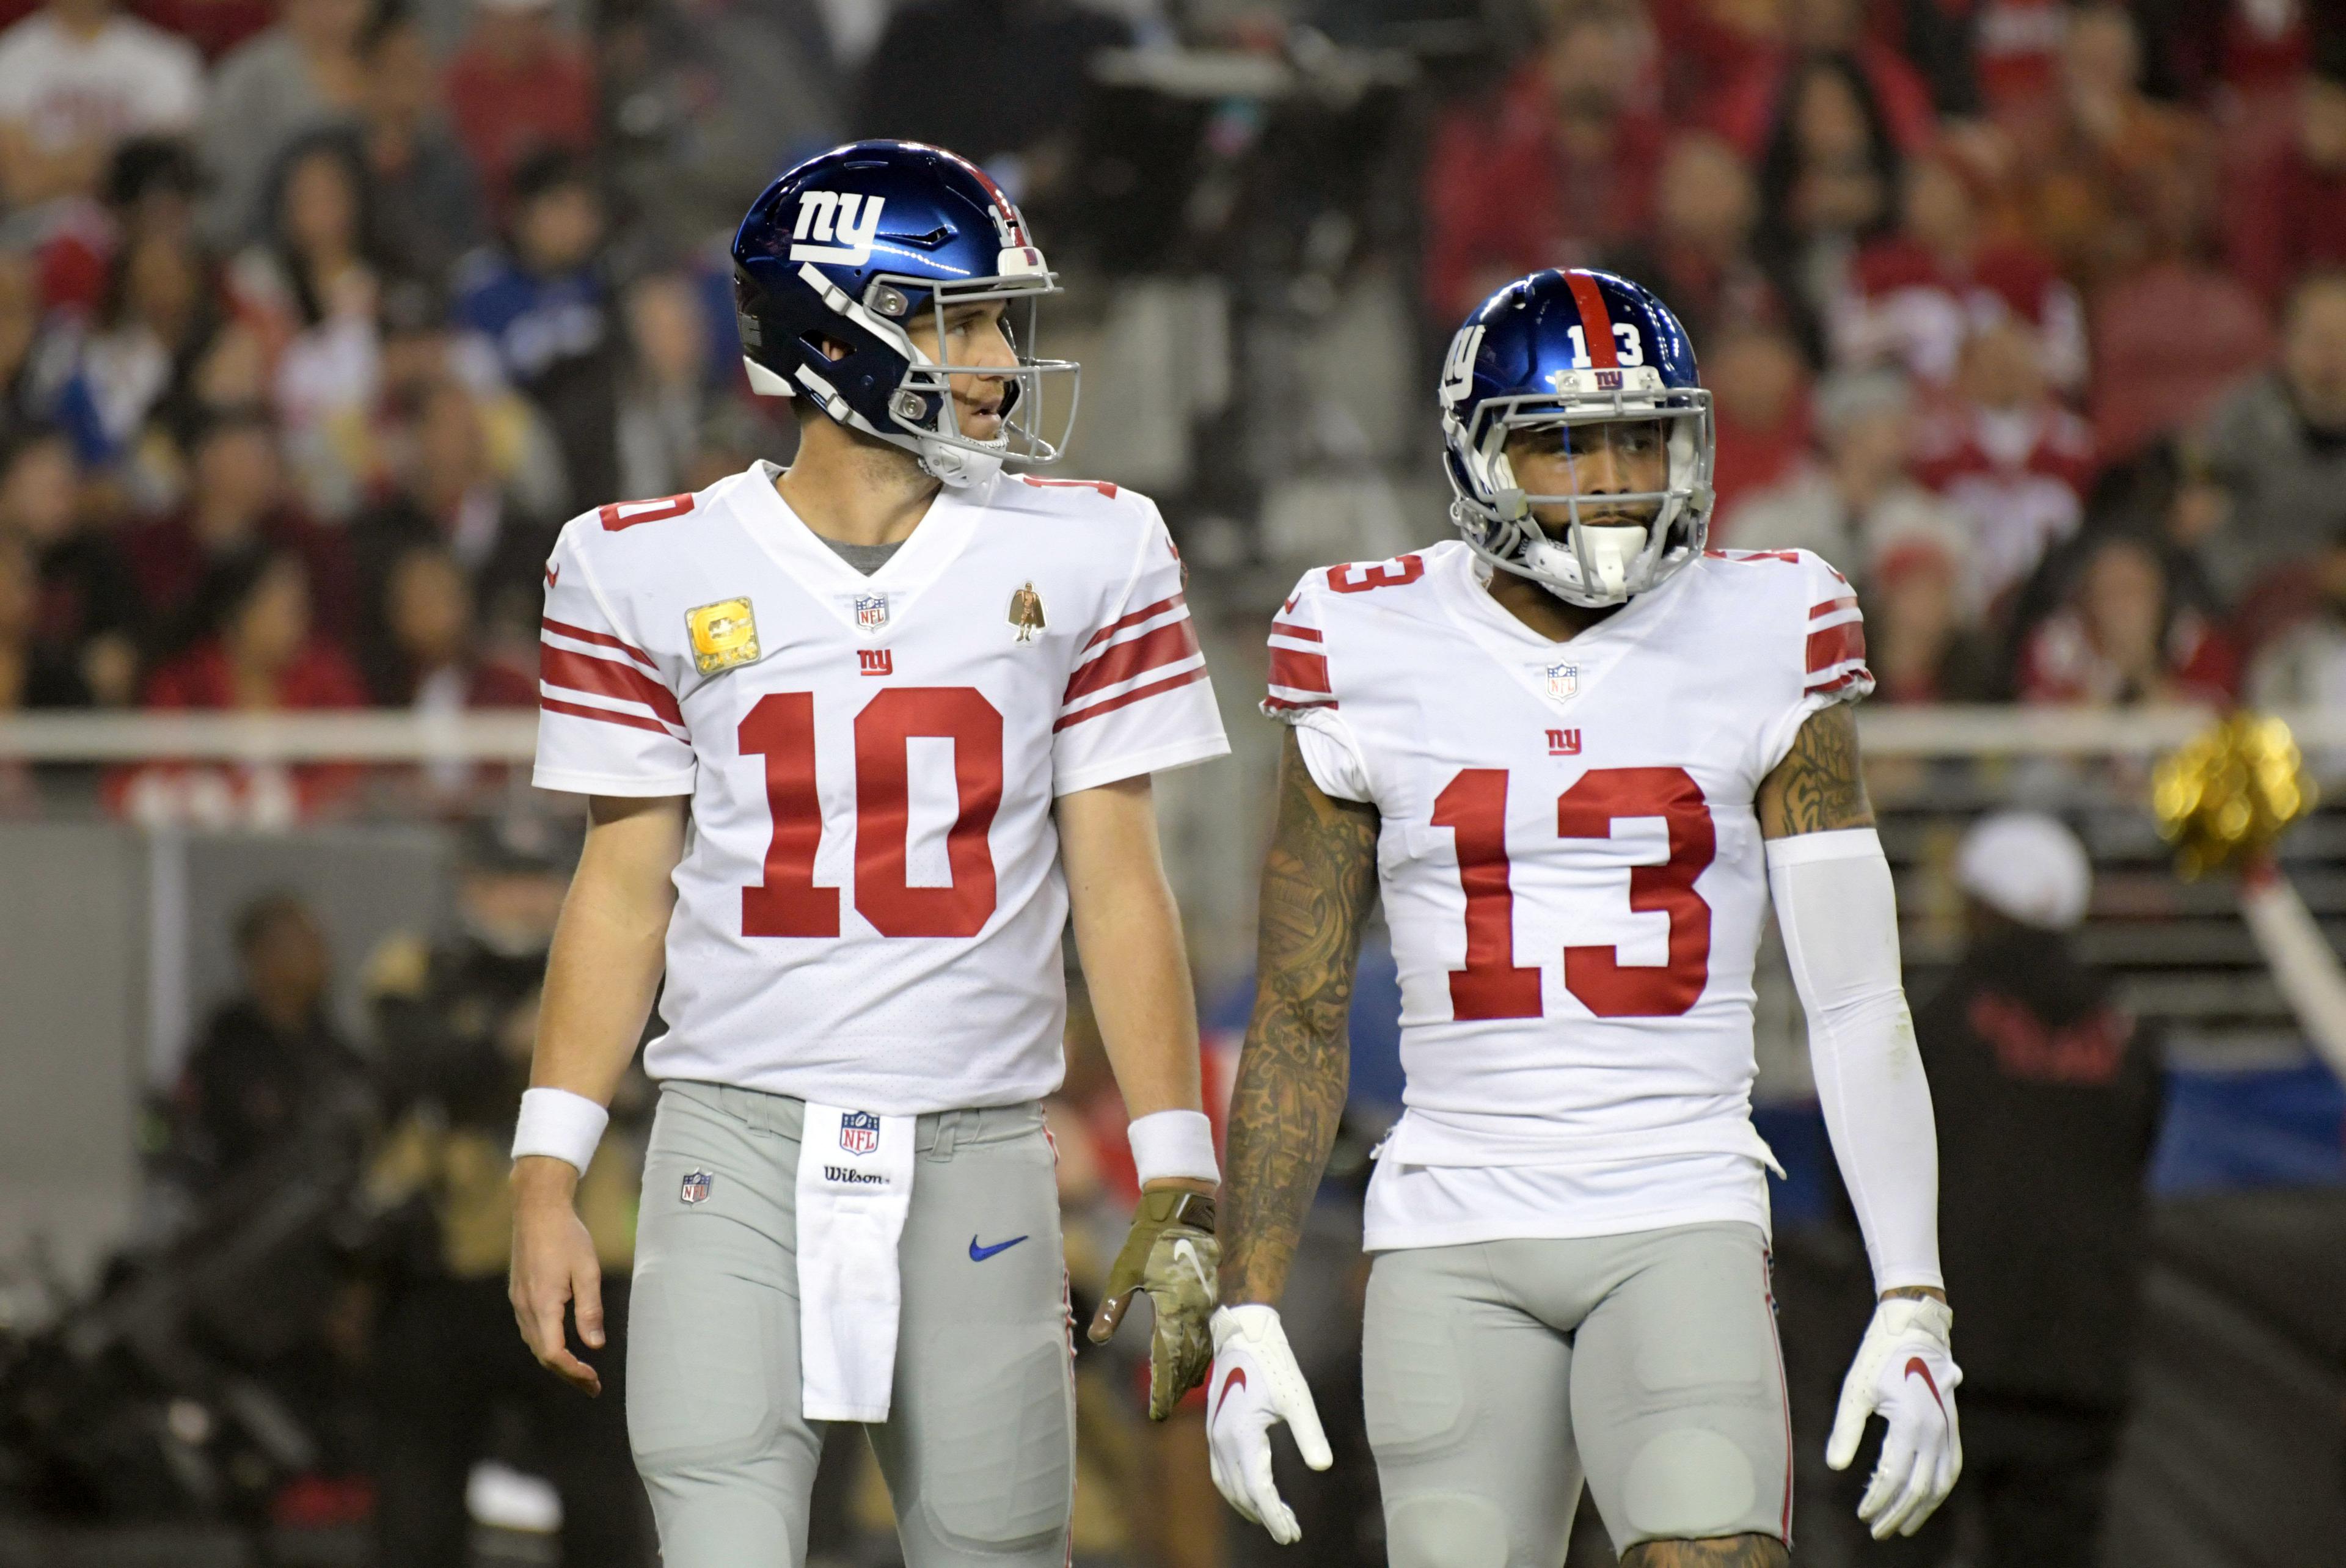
(1905, 1371)
(554, 1265)
(1255, 1385)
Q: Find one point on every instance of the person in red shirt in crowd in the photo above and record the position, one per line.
(2084, 162)
(236, 506)
(1759, 401)
(261, 656)
(1562, 170)
(1700, 257)
(1919, 293)
(2120, 639)
(519, 85)
(2004, 453)
(2286, 216)
(1920, 644)
(1750, 107)
(430, 660)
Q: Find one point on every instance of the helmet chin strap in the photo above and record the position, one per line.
(958, 467)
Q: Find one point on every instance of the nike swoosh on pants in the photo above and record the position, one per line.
(980, 1254)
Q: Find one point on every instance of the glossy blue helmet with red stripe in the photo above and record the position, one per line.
(1571, 353)
(844, 252)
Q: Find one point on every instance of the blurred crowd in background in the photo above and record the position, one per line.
(319, 317)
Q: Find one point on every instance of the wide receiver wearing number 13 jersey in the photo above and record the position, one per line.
(1573, 751)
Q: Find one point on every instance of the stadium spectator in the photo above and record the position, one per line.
(430, 662)
(672, 412)
(2006, 456)
(86, 605)
(2049, 1099)
(519, 86)
(1828, 183)
(1751, 110)
(269, 1061)
(421, 191)
(312, 288)
(448, 494)
(2285, 215)
(2083, 163)
(2305, 665)
(998, 83)
(262, 654)
(150, 187)
(458, 1021)
(1561, 167)
(2121, 638)
(1699, 258)
(1918, 294)
(299, 75)
(75, 78)
(1858, 501)
(1920, 642)
(35, 671)
(2277, 447)
(214, 26)
(236, 508)
(543, 301)
(160, 304)
(1759, 403)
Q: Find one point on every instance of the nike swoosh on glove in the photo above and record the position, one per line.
(1905, 1371)
(1255, 1385)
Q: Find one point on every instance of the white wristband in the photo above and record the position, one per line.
(1174, 1143)
(558, 1122)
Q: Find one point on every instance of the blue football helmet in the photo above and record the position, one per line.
(1570, 351)
(850, 246)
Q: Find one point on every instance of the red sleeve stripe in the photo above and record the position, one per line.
(1857, 674)
(605, 678)
(1134, 619)
(1138, 694)
(1836, 645)
(1833, 606)
(1301, 634)
(1275, 705)
(632, 720)
(1169, 644)
(1298, 671)
(1596, 322)
(600, 639)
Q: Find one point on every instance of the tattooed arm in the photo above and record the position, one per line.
(1317, 885)
(1820, 785)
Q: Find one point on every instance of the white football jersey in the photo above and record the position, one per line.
(870, 905)
(1572, 870)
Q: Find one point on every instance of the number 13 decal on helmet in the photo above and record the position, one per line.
(1628, 348)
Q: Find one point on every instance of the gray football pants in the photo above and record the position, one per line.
(1500, 1375)
(979, 1446)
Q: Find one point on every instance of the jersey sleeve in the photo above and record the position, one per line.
(1139, 699)
(1302, 694)
(1830, 634)
(607, 723)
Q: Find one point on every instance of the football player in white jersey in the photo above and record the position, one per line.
(1577, 752)
(861, 737)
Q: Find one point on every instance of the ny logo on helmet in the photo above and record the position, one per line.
(850, 218)
(1458, 370)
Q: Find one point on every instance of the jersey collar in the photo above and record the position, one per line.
(944, 532)
(1462, 584)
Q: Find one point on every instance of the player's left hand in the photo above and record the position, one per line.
(1256, 1385)
(1171, 1254)
(1905, 1371)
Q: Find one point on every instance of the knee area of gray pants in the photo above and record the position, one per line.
(1445, 1530)
(1685, 1483)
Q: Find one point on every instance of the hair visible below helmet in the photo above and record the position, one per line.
(851, 247)
(1569, 351)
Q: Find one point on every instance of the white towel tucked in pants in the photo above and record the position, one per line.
(854, 1189)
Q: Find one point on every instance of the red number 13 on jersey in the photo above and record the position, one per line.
(1473, 807)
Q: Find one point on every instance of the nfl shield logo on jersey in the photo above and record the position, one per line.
(695, 1187)
(859, 1132)
(1563, 680)
(871, 612)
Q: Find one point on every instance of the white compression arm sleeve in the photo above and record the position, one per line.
(1839, 914)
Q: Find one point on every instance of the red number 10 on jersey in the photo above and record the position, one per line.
(1473, 807)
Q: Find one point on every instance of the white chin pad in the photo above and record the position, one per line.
(1612, 550)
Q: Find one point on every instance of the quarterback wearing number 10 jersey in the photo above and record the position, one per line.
(871, 760)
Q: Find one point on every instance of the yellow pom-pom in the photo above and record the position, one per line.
(2224, 797)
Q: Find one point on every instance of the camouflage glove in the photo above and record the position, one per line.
(1172, 1255)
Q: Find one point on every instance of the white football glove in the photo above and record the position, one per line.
(1905, 1371)
(1254, 1385)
